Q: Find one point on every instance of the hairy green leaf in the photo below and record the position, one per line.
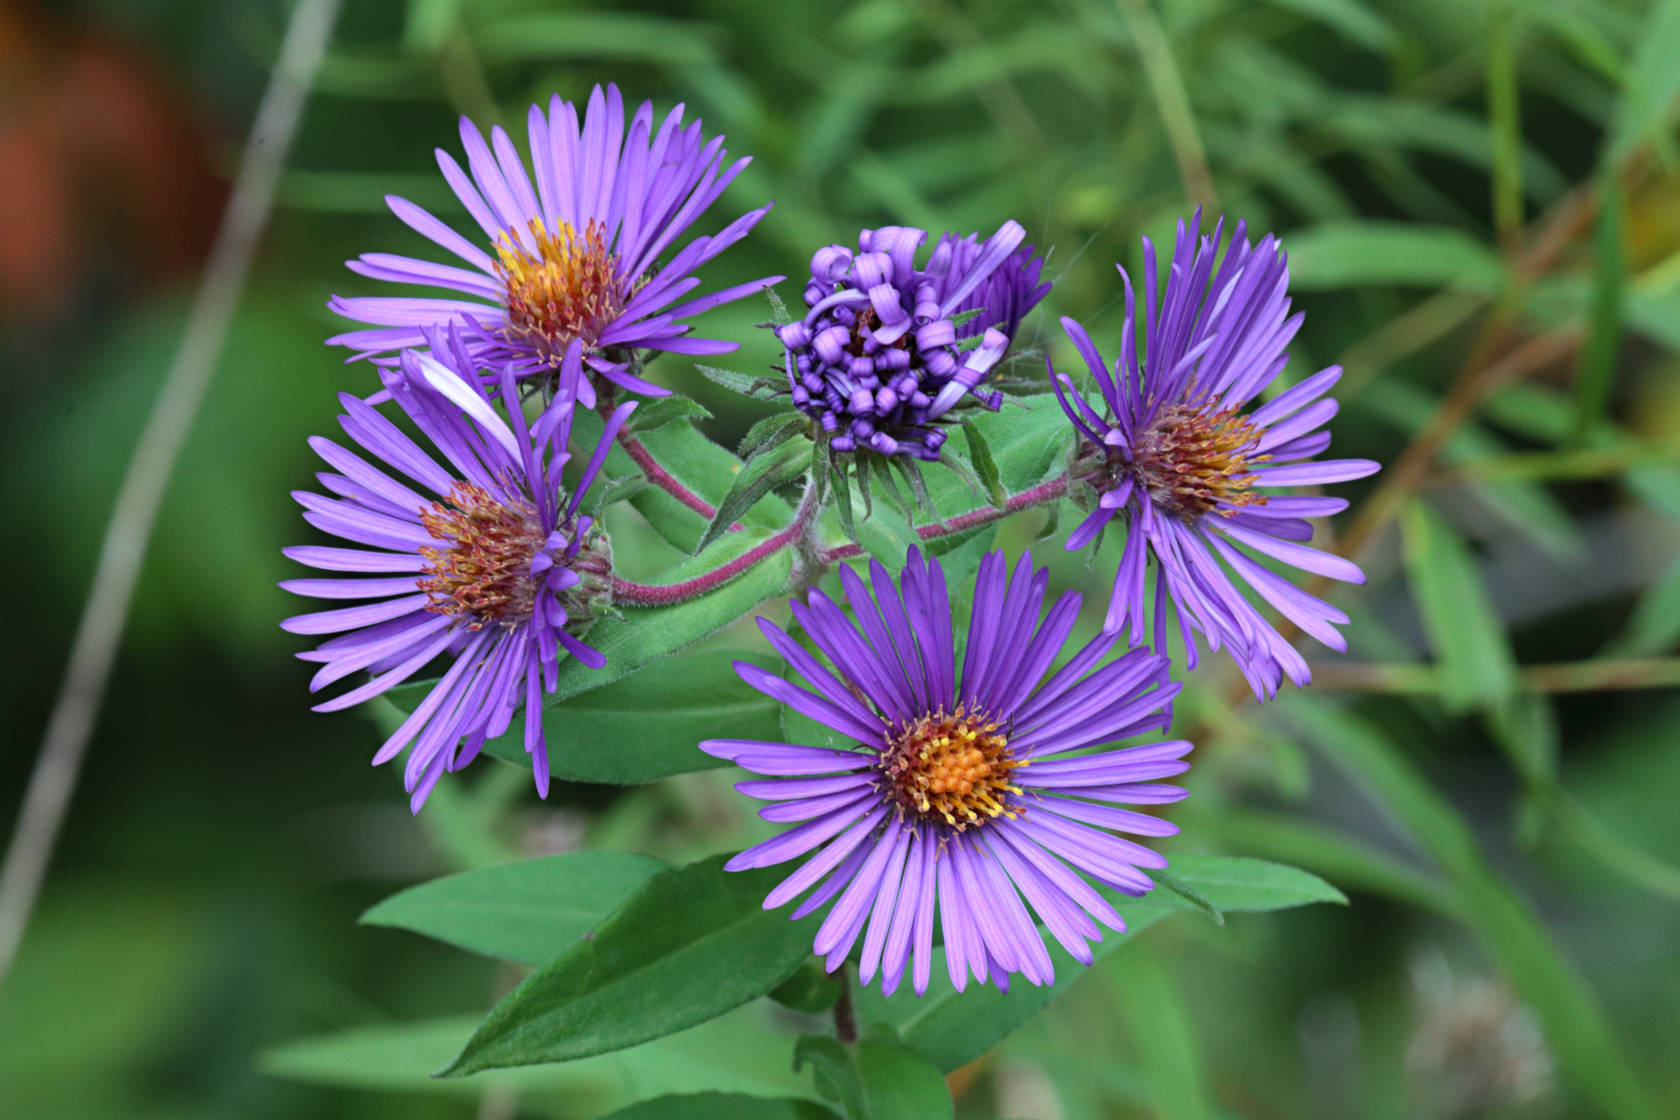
(762, 474)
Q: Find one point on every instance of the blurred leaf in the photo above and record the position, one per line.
(1655, 625)
(1575, 1027)
(524, 912)
(1469, 640)
(953, 1028)
(1604, 326)
(1504, 121)
(691, 944)
(1353, 19)
(737, 1053)
(724, 1106)
(1398, 122)
(1653, 82)
(879, 1078)
(1163, 1030)
(1525, 727)
(763, 473)
(1348, 254)
(548, 36)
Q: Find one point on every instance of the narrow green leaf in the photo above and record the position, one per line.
(778, 310)
(691, 944)
(742, 1052)
(1355, 21)
(1504, 120)
(761, 475)
(735, 382)
(877, 1079)
(1604, 326)
(724, 1106)
(1655, 625)
(980, 455)
(657, 413)
(1164, 1033)
(770, 432)
(1575, 1027)
(550, 36)
(524, 912)
(952, 1028)
(621, 489)
(842, 488)
(1477, 668)
(1349, 254)
(1653, 81)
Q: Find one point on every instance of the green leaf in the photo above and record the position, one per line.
(645, 727)
(1604, 326)
(1163, 1031)
(1653, 82)
(762, 474)
(1575, 1026)
(770, 432)
(1358, 23)
(1477, 668)
(879, 1078)
(1655, 625)
(742, 1052)
(524, 912)
(812, 989)
(886, 534)
(1350, 254)
(657, 413)
(724, 1106)
(952, 1028)
(744, 383)
(550, 36)
(1191, 895)
(980, 455)
(691, 944)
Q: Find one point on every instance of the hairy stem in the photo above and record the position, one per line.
(1026, 499)
(845, 1019)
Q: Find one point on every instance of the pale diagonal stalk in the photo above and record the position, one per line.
(123, 550)
(1165, 85)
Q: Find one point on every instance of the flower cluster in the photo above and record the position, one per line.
(970, 790)
(887, 349)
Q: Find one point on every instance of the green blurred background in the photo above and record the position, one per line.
(1465, 186)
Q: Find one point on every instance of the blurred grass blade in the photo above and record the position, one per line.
(1575, 1027)
(1477, 669)
(1164, 1033)
(1504, 121)
(1348, 254)
(1653, 82)
(1604, 328)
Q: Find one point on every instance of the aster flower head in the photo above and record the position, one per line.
(887, 348)
(1192, 475)
(568, 254)
(964, 803)
(473, 551)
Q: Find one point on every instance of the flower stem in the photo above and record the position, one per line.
(1039, 495)
(664, 479)
(845, 1019)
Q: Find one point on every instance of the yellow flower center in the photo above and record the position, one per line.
(568, 289)
(954, 768)
(1193, 461)
(484, 570)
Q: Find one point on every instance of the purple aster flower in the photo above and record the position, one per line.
(576, 258)
(484, 559)
(968, 800)
(1175, 455)
(888, 348)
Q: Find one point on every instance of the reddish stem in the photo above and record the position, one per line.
(667, 594)
(1026, 499)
